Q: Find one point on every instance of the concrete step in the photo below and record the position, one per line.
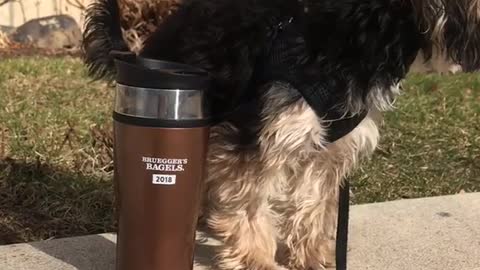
(441, 233)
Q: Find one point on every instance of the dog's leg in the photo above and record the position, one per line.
(310, 218)
(237, 208)
(311, 215)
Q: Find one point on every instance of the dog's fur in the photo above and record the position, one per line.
(273, 180)
(139, 19)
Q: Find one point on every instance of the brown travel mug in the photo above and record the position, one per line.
(161, 129)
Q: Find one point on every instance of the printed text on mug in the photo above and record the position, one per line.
(164, 164)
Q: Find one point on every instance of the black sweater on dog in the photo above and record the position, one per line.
(286, 59)
(334, 52)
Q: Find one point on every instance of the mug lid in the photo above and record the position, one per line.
(137, 71)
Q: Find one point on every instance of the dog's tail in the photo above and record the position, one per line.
(102, 35)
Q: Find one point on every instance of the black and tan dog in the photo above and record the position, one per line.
(274, 168)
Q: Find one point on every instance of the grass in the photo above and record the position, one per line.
(430, 145)
(55, 155)
(55, 164)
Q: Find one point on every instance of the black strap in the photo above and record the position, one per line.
(342, 226)
(343, 125)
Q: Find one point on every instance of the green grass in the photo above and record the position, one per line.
(430, 145)
(55, 163)
(55, 147)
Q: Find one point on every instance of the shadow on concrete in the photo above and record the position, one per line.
(205, 251)
(97, 252)
(204, 256)
(93, 252)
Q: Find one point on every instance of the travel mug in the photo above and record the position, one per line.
(161, 130)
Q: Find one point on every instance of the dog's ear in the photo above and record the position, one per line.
(453, 28)
(102, 35)
(368, 45)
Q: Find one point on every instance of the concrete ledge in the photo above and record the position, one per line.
(440, 233)
(93, 252)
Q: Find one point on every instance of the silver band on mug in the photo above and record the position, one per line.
(161, 104)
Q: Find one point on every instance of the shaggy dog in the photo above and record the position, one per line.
(274, 167)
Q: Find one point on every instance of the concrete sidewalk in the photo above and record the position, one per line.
(440, 233)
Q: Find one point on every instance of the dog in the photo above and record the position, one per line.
(271, 193)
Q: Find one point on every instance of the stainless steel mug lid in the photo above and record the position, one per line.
(160, 93)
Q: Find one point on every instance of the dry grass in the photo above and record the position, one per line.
(55, 163)
(55, 155)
